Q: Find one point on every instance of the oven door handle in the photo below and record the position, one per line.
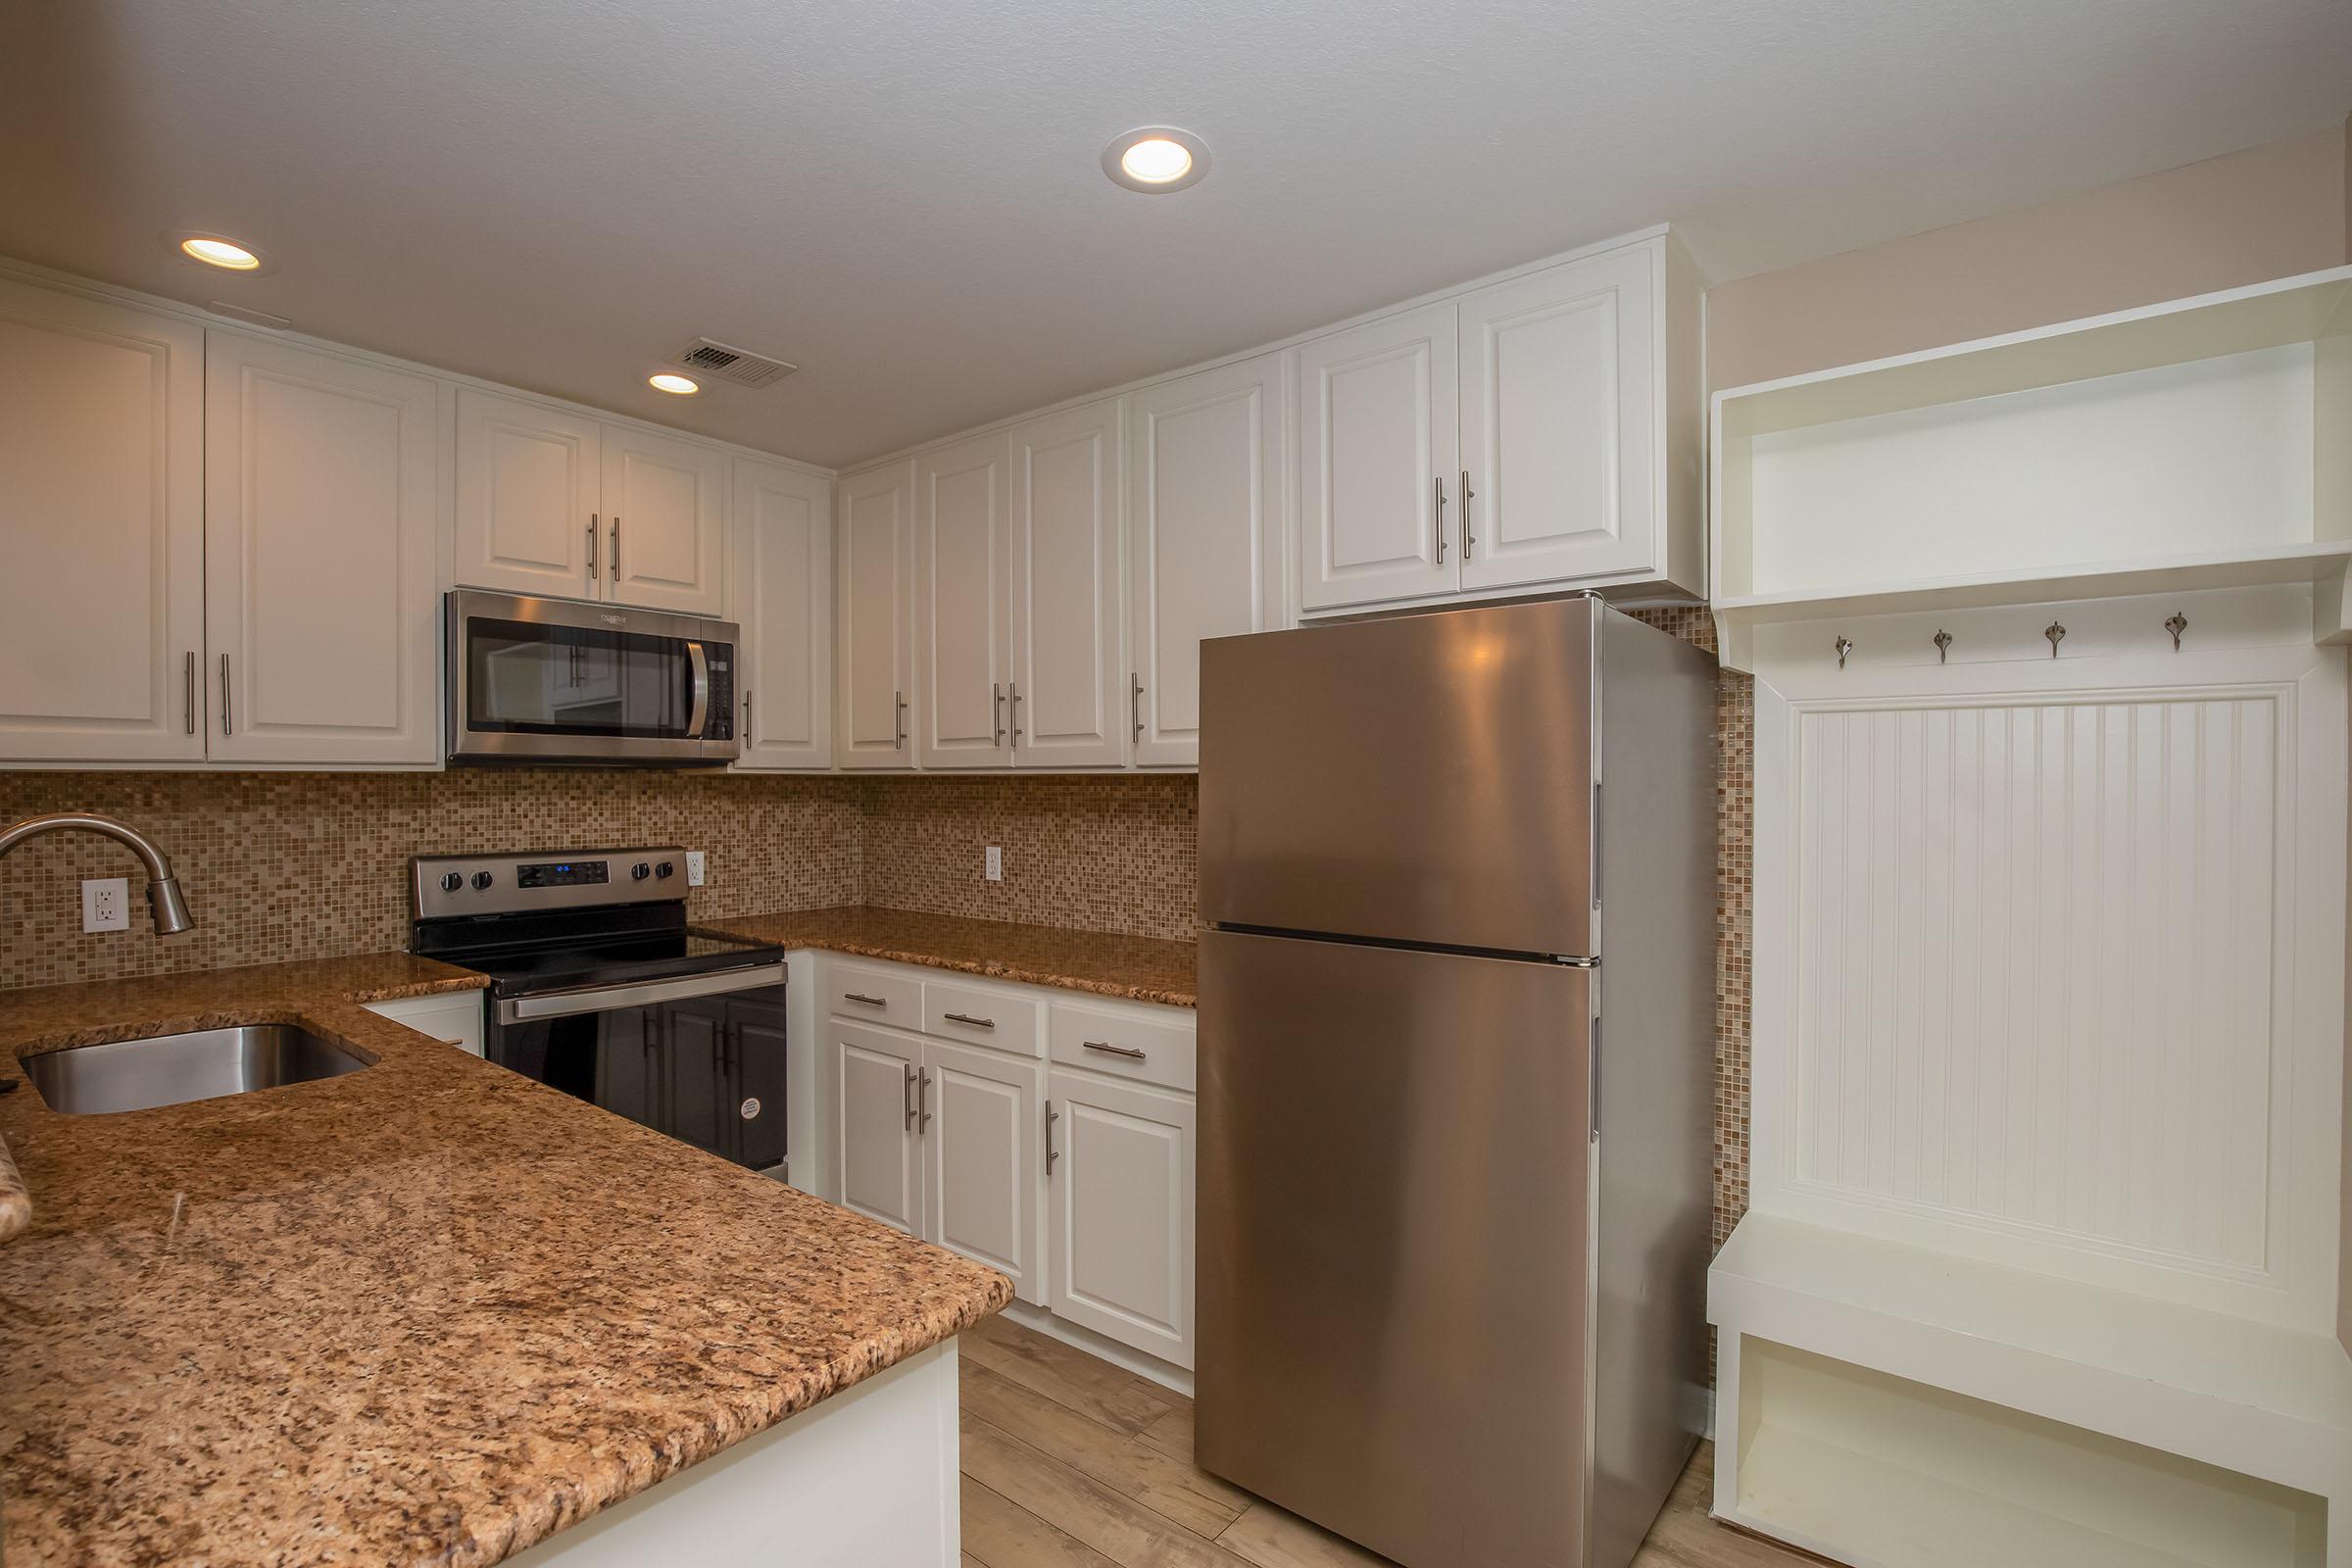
(701, 662)
(601, 998)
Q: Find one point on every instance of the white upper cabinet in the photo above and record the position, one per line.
(323, 479)
(102, 530)
(1069, 703)
(963, 629)
(780, 592)
(529, 477)
(1543, 431)
(1559, 437)
(876, 600)
(555, 503)
(1377, 438)
(663, 546)
(1204, 556)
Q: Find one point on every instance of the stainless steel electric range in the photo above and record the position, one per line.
(598, 989)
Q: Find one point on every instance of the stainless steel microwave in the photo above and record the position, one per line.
(539, 682)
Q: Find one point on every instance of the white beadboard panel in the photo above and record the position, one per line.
(2049, 965)
(2006, 1007)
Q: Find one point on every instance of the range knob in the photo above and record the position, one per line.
(451, 881)
(664, 869)
(481, 881)
(640, 871)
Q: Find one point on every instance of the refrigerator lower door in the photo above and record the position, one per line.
(1395, 1189)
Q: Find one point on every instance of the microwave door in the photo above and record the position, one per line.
(564, 682)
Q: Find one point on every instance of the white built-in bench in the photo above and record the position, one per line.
(1881, 1402)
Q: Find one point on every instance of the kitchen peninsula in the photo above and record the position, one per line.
(430, 1311)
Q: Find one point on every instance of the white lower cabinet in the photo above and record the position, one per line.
(942, 1142)
(1121, 1232)
(455, 1017)
(977, 1117)
(877, 1153)
(1073, 1178)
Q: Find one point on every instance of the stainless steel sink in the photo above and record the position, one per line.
(173, 1069)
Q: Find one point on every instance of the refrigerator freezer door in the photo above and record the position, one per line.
(1395, 1222)
(1426, 779)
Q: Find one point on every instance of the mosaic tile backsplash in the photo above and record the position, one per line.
(297, 865)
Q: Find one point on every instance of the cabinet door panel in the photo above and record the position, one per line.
(780, 592)
(1204, 529)
(321, 486)
(876, 1151)
(1072, 706)
(962, 623)
(691, 1040)
(1121, 1240)
(759, 1083)
(528, 486)
(102, 510)
(662, 522)
(1377, 442)
(876, 606)
(1558, 434)
(982, 1177)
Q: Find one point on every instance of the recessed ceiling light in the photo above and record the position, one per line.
(219, 249)
(1155, 159)
(682, 385)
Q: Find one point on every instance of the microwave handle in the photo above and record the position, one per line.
(701, 661)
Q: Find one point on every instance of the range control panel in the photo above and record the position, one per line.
(441, 886)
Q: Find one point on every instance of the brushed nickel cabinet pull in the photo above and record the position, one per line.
(592, 522)
(899, 726)
(995, 709)
(922, 1099)
(911, 1097)
(1015, 689)
(1468, 538)
(1437, 514)
(967, 1018)
(1052, 1154)
(1135, 706)
(224, 694)
(859, 996)
(613, 560)
(1109, 1049)
(746, 715)
(187, 692)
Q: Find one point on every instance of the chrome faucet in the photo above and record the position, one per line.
(170, 910)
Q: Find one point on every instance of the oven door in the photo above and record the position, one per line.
(555, 680)
(700, 1057)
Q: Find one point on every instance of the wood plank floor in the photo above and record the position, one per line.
(1070, 1462)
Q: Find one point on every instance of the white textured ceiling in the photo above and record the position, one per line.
(906, 197)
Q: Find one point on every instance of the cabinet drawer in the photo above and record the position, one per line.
(1152, 1050)
(981, 1016)
(866, 994)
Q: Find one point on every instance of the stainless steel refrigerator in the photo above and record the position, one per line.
(1456, 1056)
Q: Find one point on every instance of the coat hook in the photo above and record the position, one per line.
(2175, 623)
(1844, 645)
(1944, 646)
(2054, 632)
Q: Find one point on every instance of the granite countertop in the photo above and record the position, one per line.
(1138, 969)
(427, 1312)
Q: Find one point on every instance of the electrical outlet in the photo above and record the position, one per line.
(694, 869)
(994, 868)
(106, 903)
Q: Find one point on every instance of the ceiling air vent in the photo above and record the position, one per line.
(739, 365)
